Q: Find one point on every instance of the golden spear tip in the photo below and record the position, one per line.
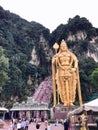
(55, 46)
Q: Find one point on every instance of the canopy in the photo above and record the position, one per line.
(30, 105)
(3, 109)
(92, 105)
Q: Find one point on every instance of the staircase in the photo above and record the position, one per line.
(44, 91)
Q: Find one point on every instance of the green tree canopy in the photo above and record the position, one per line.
(94, 77)
(4, 65)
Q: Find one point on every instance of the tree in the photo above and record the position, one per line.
(87, 65)
(4, 65)
(94, 77)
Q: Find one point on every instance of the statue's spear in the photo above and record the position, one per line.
(79, 88)
(54, 70)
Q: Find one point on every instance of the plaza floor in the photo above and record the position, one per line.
(32, 126)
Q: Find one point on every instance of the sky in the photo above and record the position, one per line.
(52, 13)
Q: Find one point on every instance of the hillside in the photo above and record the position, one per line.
(28, 47)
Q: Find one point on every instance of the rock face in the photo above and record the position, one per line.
(44, 46)
(34, 60)
(93, 52)
(44, 91)
(92, 49)
(80, 35)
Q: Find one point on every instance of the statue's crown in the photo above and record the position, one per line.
(63, 43)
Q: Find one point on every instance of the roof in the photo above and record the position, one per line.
(3, 109)
(27, 109)
(92, 105)
(31, 104)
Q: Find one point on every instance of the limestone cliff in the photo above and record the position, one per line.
(92, 49)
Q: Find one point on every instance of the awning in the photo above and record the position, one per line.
(90, 106)
(29, 109)
(3, 109)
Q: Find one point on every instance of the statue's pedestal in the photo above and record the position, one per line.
(60, 111)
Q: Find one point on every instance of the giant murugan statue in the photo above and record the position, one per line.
(65, 76)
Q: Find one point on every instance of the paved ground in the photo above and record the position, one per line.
(6, 126)
(32, 126)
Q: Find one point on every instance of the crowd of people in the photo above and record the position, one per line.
(20, 124)
(64, 124)
(23, 124)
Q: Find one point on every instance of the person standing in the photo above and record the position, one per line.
(19, 125)
(49, 126)
(27, 124)
(66, 124)
(46, 124)
(56, 122)
(97, 123)
(14, 124)
(23, 124)
(37, 126)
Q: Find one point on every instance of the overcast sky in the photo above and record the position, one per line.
(52, 13)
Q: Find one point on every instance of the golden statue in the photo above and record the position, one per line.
(65, 75)
(84, 122)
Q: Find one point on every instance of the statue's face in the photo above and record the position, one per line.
(63, 47)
